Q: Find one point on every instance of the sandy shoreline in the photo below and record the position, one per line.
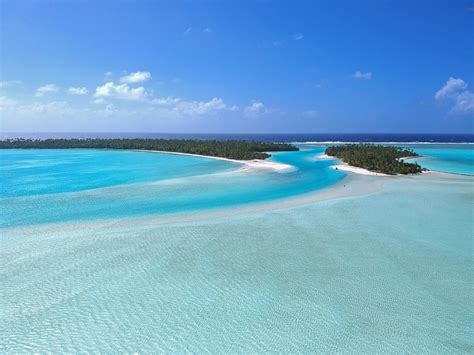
(356, 170)
(349, 168)
(412, 157)
(362, 171)
(324, 157)
(248, 164)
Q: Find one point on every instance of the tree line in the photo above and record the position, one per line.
(233, 149)
(378, 158)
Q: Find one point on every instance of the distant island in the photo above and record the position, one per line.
(376, 158)
(232, 149)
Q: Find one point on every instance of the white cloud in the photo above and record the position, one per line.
(298, 36)
(452, 88)
(172, 105)
(42, 90)
(455, 90)
(464, 102)
(255, 108)
(362, 76)
(207, 30)
(188, 31)
(166, 101)
(6, 102)
(175, 106)
(18, 116)
(136, 77)
(201, 107)
(6, 83)
(121, 91)
(78, 91)
(55, 108)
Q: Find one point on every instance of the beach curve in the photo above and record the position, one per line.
(248, 164)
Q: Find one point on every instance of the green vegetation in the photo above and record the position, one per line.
(241, 150)
(376, 158)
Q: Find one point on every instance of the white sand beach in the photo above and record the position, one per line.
(248, 164)
(405, 158)
(356, 170)
(350, 168)
(324, 156)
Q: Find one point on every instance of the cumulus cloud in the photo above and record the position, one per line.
(362, 76)
(166, 101)
(144, 105)
(298, 36)
(255, 108)
(16, 115)
(452, 88)
(45, 89)
(182, 107)
(136, 77)
(202, 107)
(78, 91)
(464, 102)
(120, 91)
(455, 91)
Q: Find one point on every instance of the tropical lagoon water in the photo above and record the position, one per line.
(112, 251)
(453, 158)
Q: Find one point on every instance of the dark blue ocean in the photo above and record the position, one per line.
(302, 137)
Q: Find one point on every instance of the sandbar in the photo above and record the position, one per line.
(249, 164)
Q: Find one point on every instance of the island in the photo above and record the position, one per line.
(376, 158)
(230, 149)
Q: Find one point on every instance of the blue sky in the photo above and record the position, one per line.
(237, 66)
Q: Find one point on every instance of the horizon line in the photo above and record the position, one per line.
(236, 133)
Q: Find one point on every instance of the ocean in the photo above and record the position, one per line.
(117, 251)
(295, 137)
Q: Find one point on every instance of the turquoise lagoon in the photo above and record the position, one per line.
(88, 184)
(451, 158)
(174, 260)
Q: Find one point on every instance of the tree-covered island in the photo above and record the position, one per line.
(233, 149)
(376, 158)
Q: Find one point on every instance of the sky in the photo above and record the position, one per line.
(237, 66)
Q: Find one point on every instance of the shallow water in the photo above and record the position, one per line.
(454, 158)
(26, 172)
(167, 184)
(388, 271)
